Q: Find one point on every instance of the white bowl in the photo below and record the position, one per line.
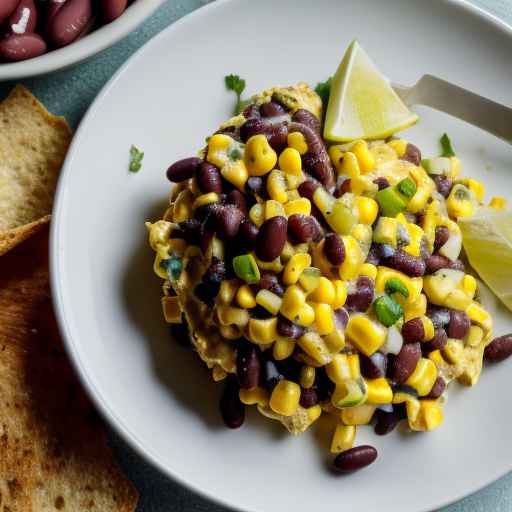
(90, 45)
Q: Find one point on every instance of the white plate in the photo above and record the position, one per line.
(166, 99)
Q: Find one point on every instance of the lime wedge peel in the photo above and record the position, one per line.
(362, 103)
(487, 240)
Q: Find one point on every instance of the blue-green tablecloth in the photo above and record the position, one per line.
(70, 93)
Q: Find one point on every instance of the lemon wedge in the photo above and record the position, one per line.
(487, 239)
(362, 103)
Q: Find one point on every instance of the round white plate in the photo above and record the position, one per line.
(166, 99)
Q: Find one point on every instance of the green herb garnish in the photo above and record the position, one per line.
(446, 145)
(237, 85)
(323, 89)
(387, 310)
(136, 156)
(395, 285)
(407, 187)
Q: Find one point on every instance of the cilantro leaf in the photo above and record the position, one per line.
(323, 89)
(136, 156)
(237, 85)
(446, 145)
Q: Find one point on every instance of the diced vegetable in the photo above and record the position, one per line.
(246, 268)
(390, 201)
(349, 393)
(407, 187)
(387, 310)
(446, 145)
(438, 165)
(395, 285)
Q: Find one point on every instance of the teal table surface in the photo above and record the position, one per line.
(69, 93)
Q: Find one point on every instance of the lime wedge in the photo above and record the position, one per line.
(487, 239)
(362, 103)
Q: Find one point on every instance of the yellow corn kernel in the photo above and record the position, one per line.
(259, 157)
(236, 173)
(245, 297)
(294, 299)
(354, 258)
(364, 157)
(306, 316)
(415, 309)
(368, 336)
(354, 365)
(358, 415)
(293, 195)
(430, 222)
(469, 285)
(314, 413)
(343, 438)
(324, 292)
(285, 398)
(268, 300)
(314, 346)
(498, 203)
(386, 231)
(294, 268)
(459, 203)
(262, 331)
(205, 199)
(297, 141)
(229, 315)
(363, 235)
(425, 187)
(230, 332)
(276, 186)
(159, 233)
(182, 209)
(423, 377)
(218, 147)
(282, 348)
(338, 370)
(441, 284)
(379, 391)
(257, 214)
(480, 316)
(293, 183)
(298, 206)
(340, 293)
(363, 185)
(416, 235)
(413, 284)
(453, 351)
(368, 209)
(172, 309)
(287, 252)
(307, 376)
(455, 167)
(476, 187)
(428, 328)
(273, 208)
(324, 318)
(218, 373)
(474, 336)
(369, 270)
(290, 161)
(336, 155)
(457, 299)
(399, 145)
(227, 291)
(424, 415)
(437, 358)
(274, 265)
(349, 165)
(254, 396)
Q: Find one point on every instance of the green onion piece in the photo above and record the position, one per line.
(173, 266)
(246, 268)
(387, 310)
(136, 156)
(446, 145)
(395, 285)
(390, 202)
(407, 187)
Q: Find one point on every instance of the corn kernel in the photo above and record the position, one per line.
(498, 203)
(287, 252)
(474, 336)
(453, 351)
(259, 157)
(254, 396)
(274, 265)
(324, 318)
(268, 300)
(276, 186)
(457, 299)
(257, 214)
(227, 291)
(364, 157)
(476, 187)
(424, 415)
(437, 358)
(354, 258)
(355, 366)
(294, 268)
(349, 165)
(290, 161)
(455, 167)
(245, 297)
(367, 335)
(182, 209)
(293, 195)
(282, 348)
(343, 438)
(262, 331)
(363, 185)
(340, 294)
(379, 391)
(230, 332)
(314, 346)
(369, 270)
(428, 328)
(480, 316)
(218, 373)
(399, 145)
(415, 309)
(273, 208)
(293, 182)
(423, 377)
(368, 209)
(172, 309)
(416, 235)
(298, 206)
(229, 315)
(285, 398)
(307, 376)
(218, 147)
(469, 285)
(336, 155)
(425, 187)
(314, 413)
(236, 173)
(297, 141)
(335, 341)
(306, 316)
(338, 370)
(358, 415)
(205, 199)
(386, 231)
(459, 203)
(324, 292)
(294, 299)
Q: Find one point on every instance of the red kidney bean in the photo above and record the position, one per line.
(272, 109)
(289, 329)
(459, 324)
(441, 237)
(404, 262)
(308, 397)
(112, 9)
(436, 262)
(412, 154)
(208, 178)
(437, 389)
(248, 366)
(69, 22)
(362, 297)
(334, 249)
(7, 8)
(385, 422)
(183, 169)
(231, 408)
(227, 221)
(271, 375)
(443, 185)
(341, 318)
(302, 228)
(374, 254)
(405, 362)
(251, 110)
(248, 233)
(254, 126)
(354, 459)
(438, 342)
(271, 238)
(343, 187)
(307, 188)
(278, 137)
(238, 199)
(21, 47)
(499, 348)
(305, 117)
(24, 19)
(413, 331)
(269, 281)
(381, 182)
(374, 366)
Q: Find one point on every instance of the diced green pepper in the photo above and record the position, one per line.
(390, 202)
(387, 310)
(407, 187)
(246, 268)
(395, 285)
(446, 145)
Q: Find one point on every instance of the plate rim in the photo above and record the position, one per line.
(108, 414)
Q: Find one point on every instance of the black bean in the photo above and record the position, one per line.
(271, 238)
(441, 237)
(227, 221)
(438, 342)
(385, 422)
(183, 169)
(374, 366)
(499, 348)
(256, 185)
(404, 262)
(361, 298)
(215, 273)
(459, 324)
(206, 293)
(308, 398)
(209, 178)
(412, 154)
(443, 185)
(248, 366)
(354, 459)
(334, 249)
(272, 109)
(271, 375)
(288, 329)
(374, 254)
(278, 137)
(269, 281)
(307, 188)
(260, 312)
(323, 384)
(191, 231)
(304, 116)
(231, 408)
(238, 199)
(303, 228)
(405, 362)
(413, 331)
(247, 234)
(254, 126)
(437, 389)
(381, 182)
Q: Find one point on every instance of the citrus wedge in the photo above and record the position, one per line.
(487, 239)
(362, 103)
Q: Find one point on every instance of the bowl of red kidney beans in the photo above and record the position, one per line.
(39, 36)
